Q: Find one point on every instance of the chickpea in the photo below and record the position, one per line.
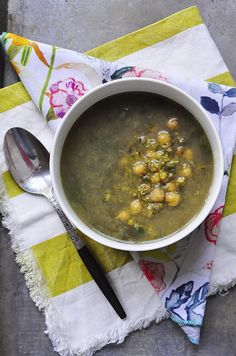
(163, 138)
(180, 182)
(144, 189)
(136, 206)
(163, 176)
(155, 178)
(139, 168)
(186, 171)
(188, 154)
(179, 150)
(157, 195)
(123, 162)
(151, 154)
(172, 198)
(172, 124)
(170, 187)
(123, 216)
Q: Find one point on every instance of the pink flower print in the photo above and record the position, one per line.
(147, 73)
(64, 93)
(212, 224)
(155, 273)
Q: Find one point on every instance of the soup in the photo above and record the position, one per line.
(136, 166)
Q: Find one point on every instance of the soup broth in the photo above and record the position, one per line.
(136, 166)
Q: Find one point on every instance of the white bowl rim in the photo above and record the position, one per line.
(121, 85)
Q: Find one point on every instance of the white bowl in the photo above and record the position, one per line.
(144, 85)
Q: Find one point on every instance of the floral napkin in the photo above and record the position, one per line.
(179, 275)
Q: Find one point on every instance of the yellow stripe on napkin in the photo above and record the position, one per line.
(224, 78)
(62, 267)
(11, 188)
(12, 96)
(149, 35)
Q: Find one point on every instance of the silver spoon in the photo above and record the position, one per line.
(28, 162)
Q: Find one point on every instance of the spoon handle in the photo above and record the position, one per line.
(88, 260)
(78, 242)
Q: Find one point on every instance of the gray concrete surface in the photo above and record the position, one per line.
(3, 24)
(82, 25)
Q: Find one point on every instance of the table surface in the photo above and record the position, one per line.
(82, 25)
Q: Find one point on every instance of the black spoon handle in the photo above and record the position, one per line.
(88, 260)
(96, 272)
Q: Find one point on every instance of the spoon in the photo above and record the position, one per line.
(28, 162)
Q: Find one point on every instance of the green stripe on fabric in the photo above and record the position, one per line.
(12, 96)
(62, 267)
(11, 188)
(230, 204)
(149, 35)
(224, 78)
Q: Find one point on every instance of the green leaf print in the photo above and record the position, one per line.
(44, 88)
(50, 115)
(13, 51)
(25, 55)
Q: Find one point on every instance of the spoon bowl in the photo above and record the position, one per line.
(28, 161)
